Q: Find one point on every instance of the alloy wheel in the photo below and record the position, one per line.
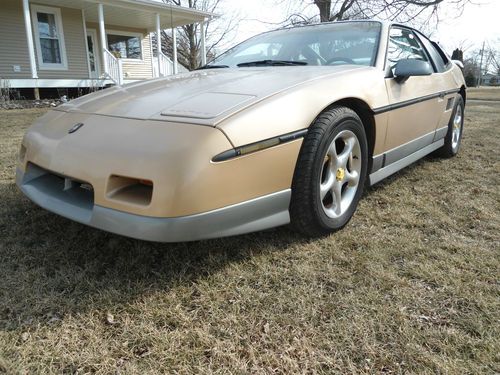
(457, 128)
(340, 174)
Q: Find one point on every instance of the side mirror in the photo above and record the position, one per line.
(407, 68)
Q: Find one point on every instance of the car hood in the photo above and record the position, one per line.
(203, 97)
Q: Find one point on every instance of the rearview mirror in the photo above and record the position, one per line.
(407, 68)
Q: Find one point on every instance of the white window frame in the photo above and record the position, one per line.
(140, 36)
(63, 65)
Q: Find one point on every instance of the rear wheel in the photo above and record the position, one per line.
(455, 128)
(330, 173)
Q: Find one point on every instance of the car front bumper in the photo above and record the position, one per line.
(47, 191)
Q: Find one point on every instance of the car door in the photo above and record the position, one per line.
(415, 108)
(446, 79)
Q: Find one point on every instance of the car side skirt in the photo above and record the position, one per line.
(405, 161)
(250, 216)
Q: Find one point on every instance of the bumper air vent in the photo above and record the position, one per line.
(130, 190)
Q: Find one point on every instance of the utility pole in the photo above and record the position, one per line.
(480, 67)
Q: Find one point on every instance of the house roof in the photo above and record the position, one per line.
(139, 14)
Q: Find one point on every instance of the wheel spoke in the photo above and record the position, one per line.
(346, 152)
(326, 186)
(337, 197)
(332, 152)
(352, 177)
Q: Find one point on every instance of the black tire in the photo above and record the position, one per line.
(306, 207)
(449, 150)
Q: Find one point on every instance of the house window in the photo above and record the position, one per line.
(49, 37)
(125, 45)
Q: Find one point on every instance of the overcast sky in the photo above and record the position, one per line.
(477, 23)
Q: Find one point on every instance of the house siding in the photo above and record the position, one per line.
(76, 51)
(141, 69)
(14, 46)
(13, 43)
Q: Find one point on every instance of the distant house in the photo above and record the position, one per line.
(490, 79)
(86, 43)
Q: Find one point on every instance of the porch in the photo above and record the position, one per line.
(117, 40)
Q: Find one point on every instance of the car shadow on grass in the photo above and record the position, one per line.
(51, 266)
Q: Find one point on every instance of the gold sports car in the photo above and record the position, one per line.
(286, 127)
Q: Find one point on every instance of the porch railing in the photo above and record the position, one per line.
(113, 67)
(166, 66)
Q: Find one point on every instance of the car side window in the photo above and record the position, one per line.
(438, 57)
(404, 44)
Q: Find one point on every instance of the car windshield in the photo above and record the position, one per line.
(327, 44)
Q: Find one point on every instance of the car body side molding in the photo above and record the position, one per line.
(259, 146)
(407, 103)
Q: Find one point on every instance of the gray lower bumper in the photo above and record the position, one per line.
(257, 214)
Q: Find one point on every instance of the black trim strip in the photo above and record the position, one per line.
(260, 145)
(407, 103)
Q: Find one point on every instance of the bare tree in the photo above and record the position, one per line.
(400, 10)
(476, 67)
(218, 31)
(458, 54)
(470, 72)
(492, 59)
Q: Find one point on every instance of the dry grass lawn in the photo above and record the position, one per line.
(411, 285)
(484, 93)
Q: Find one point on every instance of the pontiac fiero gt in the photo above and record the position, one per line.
(286, 127)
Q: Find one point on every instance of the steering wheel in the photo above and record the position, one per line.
(340, 58)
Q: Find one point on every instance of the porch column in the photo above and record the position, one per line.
(102, 36)
(174, 49)
(203, 44)
(86, 43)
(29, 37)
(158, 43)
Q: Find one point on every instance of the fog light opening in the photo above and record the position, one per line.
(130, 190)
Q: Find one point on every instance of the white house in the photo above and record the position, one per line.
(87, 43)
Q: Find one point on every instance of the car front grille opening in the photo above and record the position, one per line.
(130, 190)
(62, 194)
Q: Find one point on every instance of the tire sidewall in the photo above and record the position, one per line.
(353, 124)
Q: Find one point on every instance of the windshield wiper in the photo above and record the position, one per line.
(271, 63)
(208, 66)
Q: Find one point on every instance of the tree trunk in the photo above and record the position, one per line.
(325, 7)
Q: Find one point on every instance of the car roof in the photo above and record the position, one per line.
(318, 24)
(385, 23)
